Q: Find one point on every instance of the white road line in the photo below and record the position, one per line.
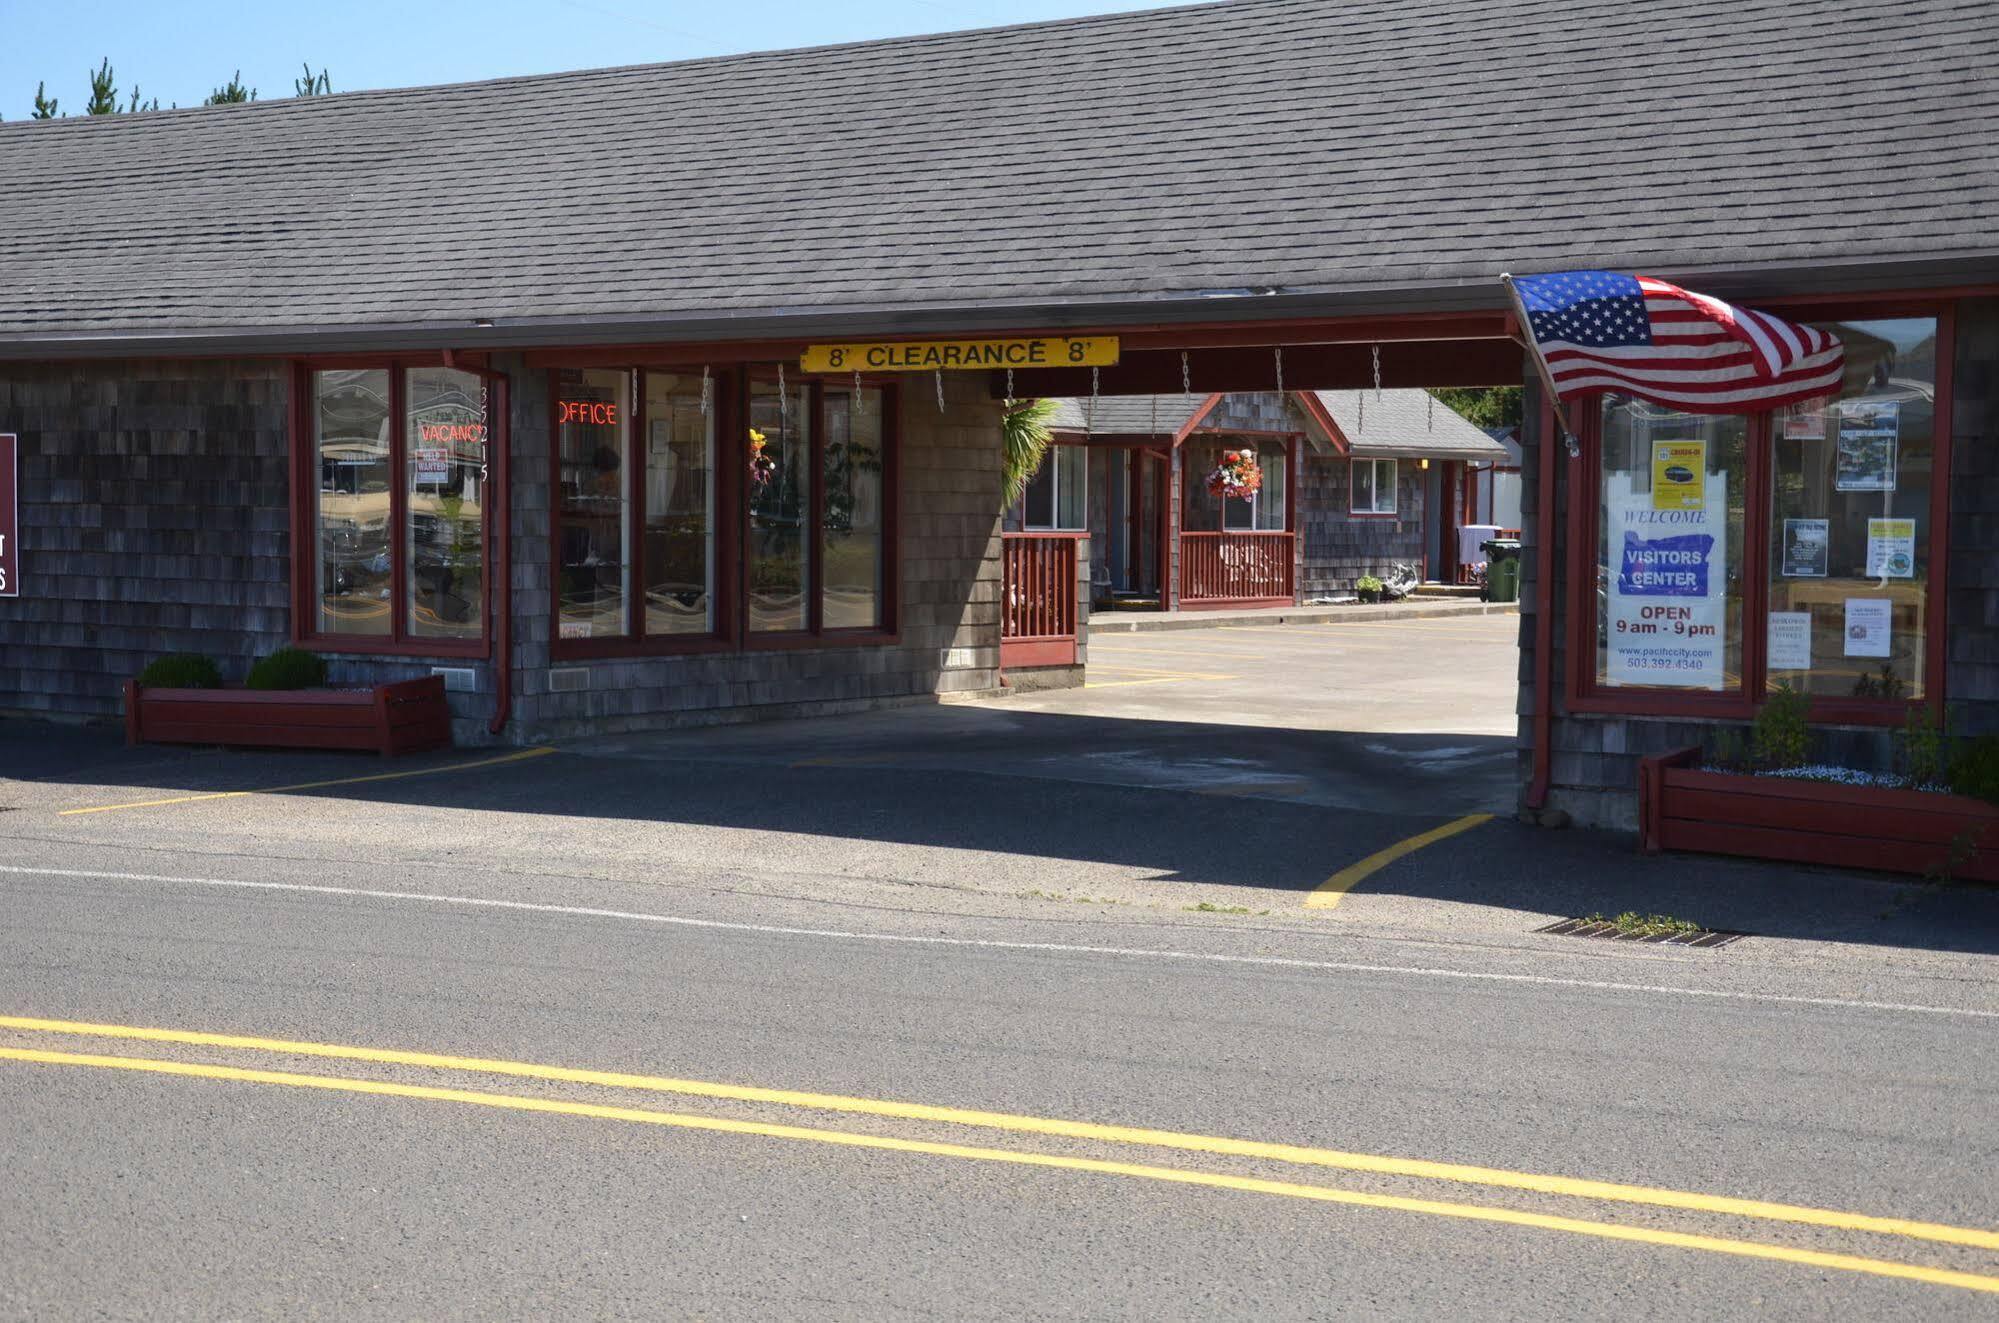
(993, 944)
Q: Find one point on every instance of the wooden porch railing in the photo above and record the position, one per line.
(1038, 599)
(1235, 567)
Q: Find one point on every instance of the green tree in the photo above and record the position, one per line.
(1483, 406)
(312, 84)
(231, 92)
(103, 91)
(45, 105)
(1024, 438)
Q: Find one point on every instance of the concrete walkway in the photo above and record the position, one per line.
(1139, 622)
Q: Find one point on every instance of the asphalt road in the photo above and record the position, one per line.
(871, 1019)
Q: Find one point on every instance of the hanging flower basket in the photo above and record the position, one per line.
(1237, 477)
(762, 467)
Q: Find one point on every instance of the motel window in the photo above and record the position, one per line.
(697, 510)
(397, 512)
(1263, 512)
(1057, 497)
(1736, 553)
(1374, 485)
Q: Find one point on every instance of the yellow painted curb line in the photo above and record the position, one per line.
(1329, 892)
(1179, 1176)
(519, 756)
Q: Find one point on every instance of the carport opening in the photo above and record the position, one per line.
(1345, 520)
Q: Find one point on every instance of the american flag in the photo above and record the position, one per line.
(1604, 330)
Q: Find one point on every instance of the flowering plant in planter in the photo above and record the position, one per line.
(1237, 476)
(762, 467)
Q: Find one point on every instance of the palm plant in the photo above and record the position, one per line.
(1024, 437)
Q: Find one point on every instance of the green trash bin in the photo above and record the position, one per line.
(1502, 569)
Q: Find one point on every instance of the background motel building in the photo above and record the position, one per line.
(266, 390)
(1354, 483)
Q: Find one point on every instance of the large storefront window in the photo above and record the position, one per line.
(680, 506)
(1850, 489)
(854, 516)
(446, 460)
(398, 523)
(351, 443)
(780, 552)
(1794, 547)
(1669, 547)
(740, 515)
(593, 454)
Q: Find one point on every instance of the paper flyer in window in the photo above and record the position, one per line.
(1891, 548)
(1790, 641)
(1870, 623)
(1807, 548)
(1868, 434)
(1806, 422)
(1679, 473)
(1666, 605)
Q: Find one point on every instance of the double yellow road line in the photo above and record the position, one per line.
(1687, 1201)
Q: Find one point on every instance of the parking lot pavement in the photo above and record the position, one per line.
(1215, 778)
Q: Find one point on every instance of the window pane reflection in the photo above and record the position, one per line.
(351, 441)
(679, 507)
(853, 511)
(780, 500)
(1849, 520)
(445, 441)
(593, 447)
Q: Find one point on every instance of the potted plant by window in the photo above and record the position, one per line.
(1367, 588)
(1937, 813)
(284, 704)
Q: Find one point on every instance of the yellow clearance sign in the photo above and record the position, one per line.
(964, 355)
(1679, 475)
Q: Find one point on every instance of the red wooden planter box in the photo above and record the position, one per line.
(1681, 807)
(389, 719)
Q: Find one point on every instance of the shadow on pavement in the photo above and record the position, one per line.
(1184, 802)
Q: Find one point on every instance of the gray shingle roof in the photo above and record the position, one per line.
(1400, 424)
(1125, 415)
(1344, 152)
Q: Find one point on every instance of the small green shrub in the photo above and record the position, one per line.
(1367, 583)
(1780, 736)
(1974, 771)
(1728, 750)
(181, 670)
(1924, 748)
(288, 668)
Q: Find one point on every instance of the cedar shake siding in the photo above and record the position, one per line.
(1338, 547)
(156, 518)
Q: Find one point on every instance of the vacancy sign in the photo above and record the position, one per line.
(964, 355)
(10, 515)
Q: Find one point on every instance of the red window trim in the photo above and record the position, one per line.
(304, 515)
(1585, 473)
(1355, 513)
(732, 633)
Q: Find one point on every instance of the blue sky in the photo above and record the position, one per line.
(179, 50)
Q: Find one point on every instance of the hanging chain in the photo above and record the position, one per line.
(1279, 352)
(1430, 412)
(1360, 411)
(1155, 414)
(1377, 373)
(940, 390)
(859, 407)
(707, 390)
(1186, 381)
(1096, 384)
(1009, 390)
(783, 404)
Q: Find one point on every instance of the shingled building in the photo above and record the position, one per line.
(556, 437)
